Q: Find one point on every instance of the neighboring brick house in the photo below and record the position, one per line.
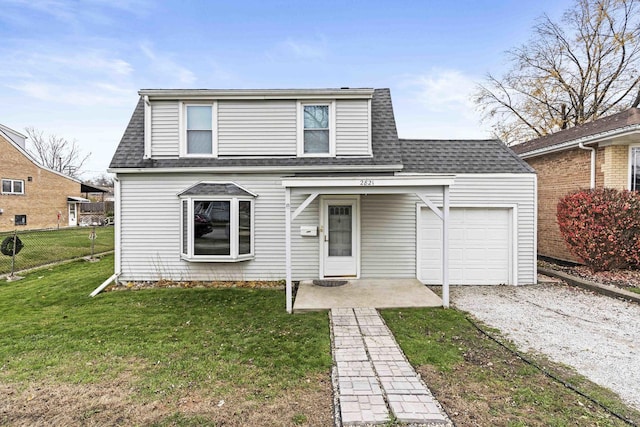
(31, 195)
(602, 153)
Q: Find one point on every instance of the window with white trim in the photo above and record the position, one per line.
(316, 129)
(198, 138)
(635, 169)
(12, 186)
(217, 228)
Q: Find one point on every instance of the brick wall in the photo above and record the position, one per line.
(44, 196)
(566, 171)
(558, 174)
(616, 167)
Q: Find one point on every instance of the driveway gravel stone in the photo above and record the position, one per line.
(597, 335)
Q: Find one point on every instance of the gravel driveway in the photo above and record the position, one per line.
(599, 336)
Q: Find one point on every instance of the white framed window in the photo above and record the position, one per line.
(316, 129)
(198, 133)
(634, 168)
(20, 220)
(217, 228)
(12, 186)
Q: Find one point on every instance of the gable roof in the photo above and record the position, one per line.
(25, 153)
(626, 120)
(384, 142)
(460, 156)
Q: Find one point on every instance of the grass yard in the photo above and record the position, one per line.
(46, 246)
(157, 357)
(480, 383)
(233, 357)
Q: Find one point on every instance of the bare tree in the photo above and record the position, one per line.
(56, 153)
(570, 72)
(103, 180)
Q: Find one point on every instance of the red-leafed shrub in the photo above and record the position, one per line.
(602, 227)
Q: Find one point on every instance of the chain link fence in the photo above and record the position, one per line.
(23, 249)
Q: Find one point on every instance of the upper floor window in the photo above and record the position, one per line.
(635, 169)
(199, 130)
(12, 186)
(316, 129)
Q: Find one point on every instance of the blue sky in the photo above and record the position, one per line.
(73, 68)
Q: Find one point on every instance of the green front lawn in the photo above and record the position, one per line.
(46, 246)
(232, 346)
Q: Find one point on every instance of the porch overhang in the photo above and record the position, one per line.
(419, 185)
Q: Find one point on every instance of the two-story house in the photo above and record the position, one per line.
(307, 184)
(33, 196)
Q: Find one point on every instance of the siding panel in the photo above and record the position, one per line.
(164, 129)
(256, 128)
(352, 128)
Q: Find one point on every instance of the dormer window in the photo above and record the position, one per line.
(316, 125)
(199, 124)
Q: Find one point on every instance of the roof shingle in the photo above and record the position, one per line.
(620, 120)
(384, 141)
(460, 156)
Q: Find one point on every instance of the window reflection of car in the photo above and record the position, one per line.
(202, 225)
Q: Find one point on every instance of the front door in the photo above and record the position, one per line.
(340, 243)
(73, 221)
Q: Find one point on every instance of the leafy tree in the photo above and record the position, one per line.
(570, 72)
(56, 153)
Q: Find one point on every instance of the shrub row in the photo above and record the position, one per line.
(602, 227)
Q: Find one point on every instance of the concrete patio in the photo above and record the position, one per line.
(374, 293)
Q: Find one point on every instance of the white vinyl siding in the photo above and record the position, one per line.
(256, 128)
(151, 231)
(165, 134)
(388, 235)
(151, 227)
(352, 128)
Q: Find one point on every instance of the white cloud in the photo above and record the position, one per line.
(438, 104)
(299, 49)
(170, 72)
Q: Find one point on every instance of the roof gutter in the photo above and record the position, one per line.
(593, 163)
(261, 169)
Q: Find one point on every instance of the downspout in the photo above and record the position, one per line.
(593, 164)
(117, 219)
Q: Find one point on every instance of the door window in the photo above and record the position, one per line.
(340, 230)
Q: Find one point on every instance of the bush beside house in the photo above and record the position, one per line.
(602, 227)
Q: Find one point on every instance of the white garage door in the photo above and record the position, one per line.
(479, 247)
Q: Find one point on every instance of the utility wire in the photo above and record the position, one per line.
(551, 375)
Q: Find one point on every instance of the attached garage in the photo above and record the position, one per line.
(481, 243)
(492, 214)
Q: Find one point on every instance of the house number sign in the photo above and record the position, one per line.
(367, 182)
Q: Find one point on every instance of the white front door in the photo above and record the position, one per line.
(340, 237)
(73, 221)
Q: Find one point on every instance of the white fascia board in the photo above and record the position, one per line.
(159, 94)
(369, 181)
(259, 169)
(590, 139)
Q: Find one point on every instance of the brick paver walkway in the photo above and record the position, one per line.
(373, 376)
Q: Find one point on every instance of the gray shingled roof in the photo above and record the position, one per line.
(615, 121)
(460, 156)
(384, 141)
(212, 188)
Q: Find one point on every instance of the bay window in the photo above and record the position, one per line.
(217, 227)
